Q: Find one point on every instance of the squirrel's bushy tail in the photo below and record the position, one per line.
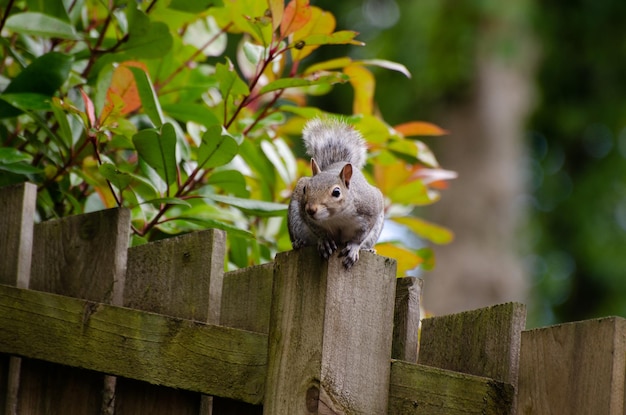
(331, 141)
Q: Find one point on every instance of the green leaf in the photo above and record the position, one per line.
(382, 63)
(39, 24)
(148, 96)
(194, 7)
(216, 148)
(50, 8)
(428, 258)
(229, 81)
(216, 224)
(283, 83)
(253, 207)
(20, 168)
(119, 179)
(43, 76)
(231, 181)
(146, 39)
(27, 101)
(167, 201)
(10, 155)
(185, 112)
(158, 151)
(64, 125)
(342, 37)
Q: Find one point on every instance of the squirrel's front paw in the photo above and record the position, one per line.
(298, 243)
(326, 247)
(351, 254)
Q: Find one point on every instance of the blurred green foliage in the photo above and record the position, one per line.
(578, 144)
(576, 234)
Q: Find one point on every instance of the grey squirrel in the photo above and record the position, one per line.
(336, 207)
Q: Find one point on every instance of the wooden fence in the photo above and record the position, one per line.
(89, 326)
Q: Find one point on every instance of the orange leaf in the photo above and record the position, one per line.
(123, 89)
(363, 84)
(415, 128)
(296, 15)
(321, 22)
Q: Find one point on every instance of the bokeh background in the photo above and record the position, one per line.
(534, 96)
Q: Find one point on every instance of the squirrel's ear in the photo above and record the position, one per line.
(314, 167)
(346, 174)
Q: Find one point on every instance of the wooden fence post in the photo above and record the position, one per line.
(178, 277)
(483, 342)
(246, 302)
(80, 256)
(330, 335)
(574, 368)
(17, 219)
(406, 319)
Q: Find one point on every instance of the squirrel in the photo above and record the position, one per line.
(336, 207)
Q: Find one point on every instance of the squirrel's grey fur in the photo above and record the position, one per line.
(335, 208)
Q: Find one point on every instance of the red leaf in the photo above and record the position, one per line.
(89, 109)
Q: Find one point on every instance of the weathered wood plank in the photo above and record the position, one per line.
(149, 347)
(247, 298)
(483, 342)
(82, 256)
(17, 219)
(246, 302)
(179, 277)
(330, 335)
(574, 368)
(406, 319)
(17, 216)
(423, 390)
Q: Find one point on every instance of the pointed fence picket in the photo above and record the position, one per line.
(91, 326)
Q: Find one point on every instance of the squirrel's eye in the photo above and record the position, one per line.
(336, 192)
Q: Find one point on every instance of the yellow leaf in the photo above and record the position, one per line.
(277, 7)
(363, 84)
(328, 65)
(406, 259)
(321, 22)
(428, 230)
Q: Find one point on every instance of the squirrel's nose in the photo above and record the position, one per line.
(311, 210)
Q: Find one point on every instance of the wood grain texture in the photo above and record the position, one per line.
(406, 319)
(145, 346)
(423, 390)
(17, 216)
(483, 342)
(179, 277)
(247, 298)
(574, 368)
(82, 256)
(330, 335)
